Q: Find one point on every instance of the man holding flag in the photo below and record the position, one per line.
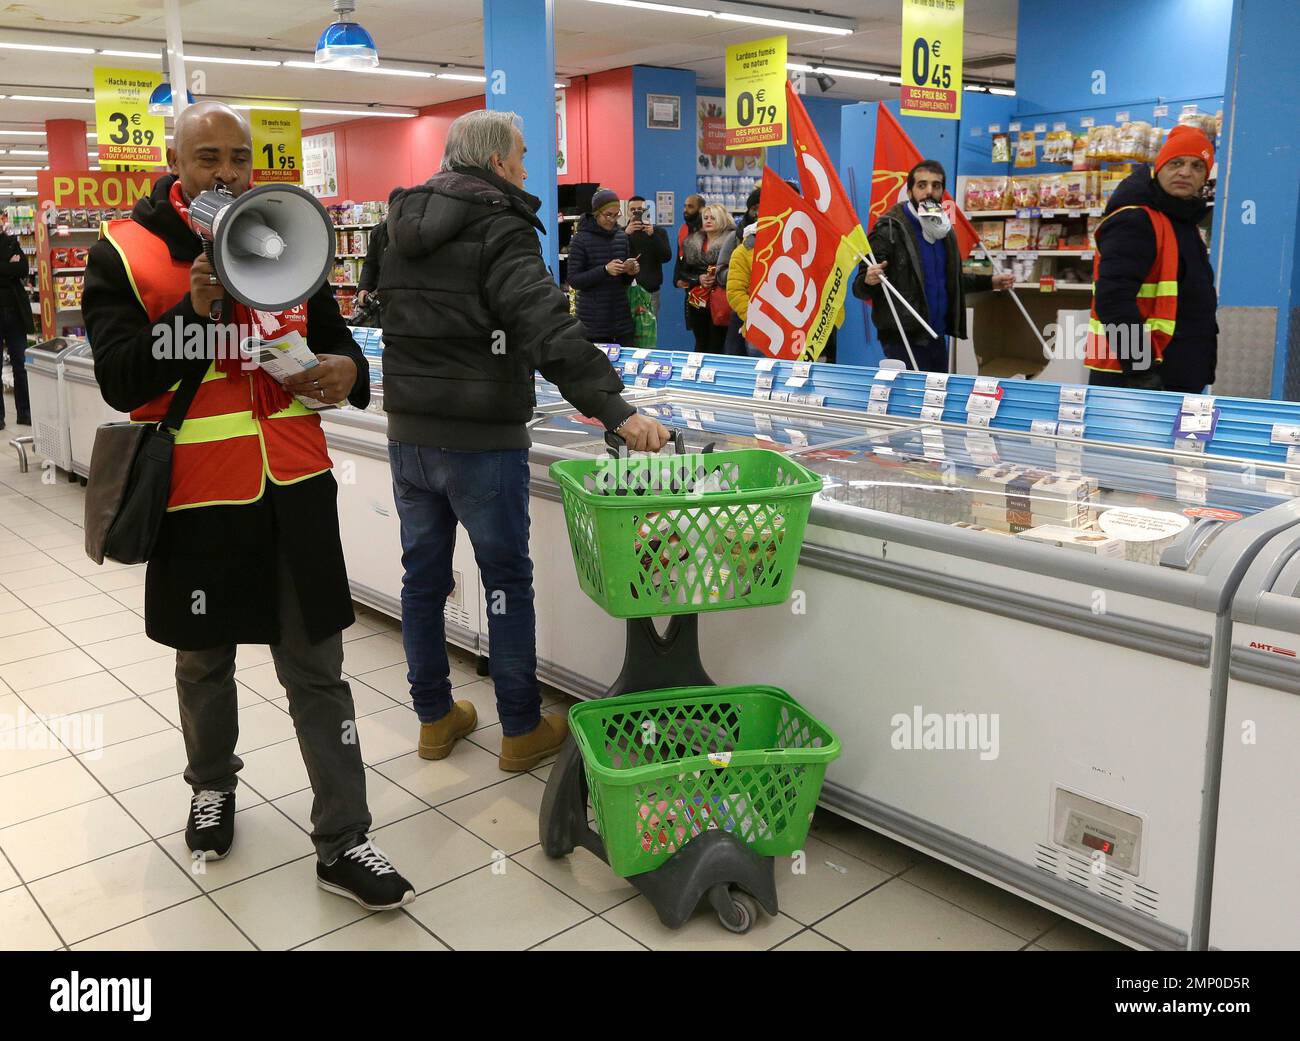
(914, 244)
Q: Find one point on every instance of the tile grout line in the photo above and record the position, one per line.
(63, 943)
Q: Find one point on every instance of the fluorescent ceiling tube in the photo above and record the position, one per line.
(263, 62)
(43, 47)
(462, 76)
(356, 112)
(375, 71)
(781, 23)
(28, 151)
(21, 133)
(48, 97)
(665, 8)
(1004, 91)
(130, 54)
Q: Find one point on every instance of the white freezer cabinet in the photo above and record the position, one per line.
(1256, 889)
(49, 399)
(87, 409)
(1017, 639)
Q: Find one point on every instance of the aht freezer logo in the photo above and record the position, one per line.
(1255, 646)
(932, 731)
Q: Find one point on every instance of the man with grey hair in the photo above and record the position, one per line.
(470, 314)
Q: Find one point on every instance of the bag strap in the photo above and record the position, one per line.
(180, 404)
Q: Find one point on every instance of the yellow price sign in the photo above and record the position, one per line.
(277, 146)
(931, 63)
(756, 93)
(127, 134)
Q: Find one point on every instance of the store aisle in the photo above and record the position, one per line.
(92, 806)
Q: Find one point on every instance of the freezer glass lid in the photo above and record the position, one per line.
(724, 424)
(1148, 507)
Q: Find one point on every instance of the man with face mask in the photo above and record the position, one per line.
(248, 551)
(915, 248)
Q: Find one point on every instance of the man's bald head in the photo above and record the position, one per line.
(213, 146)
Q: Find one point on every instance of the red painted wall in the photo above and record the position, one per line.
(377, 155)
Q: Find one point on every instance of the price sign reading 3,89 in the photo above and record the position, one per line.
(932, 58)
(127, 133)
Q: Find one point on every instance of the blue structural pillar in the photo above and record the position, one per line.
(1257, 217)
(519, 62)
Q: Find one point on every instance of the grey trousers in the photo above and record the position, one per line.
(320, 702)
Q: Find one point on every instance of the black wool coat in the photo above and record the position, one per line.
(602, 298)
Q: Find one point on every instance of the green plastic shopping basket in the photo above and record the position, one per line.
(665, 766)
(660, 535)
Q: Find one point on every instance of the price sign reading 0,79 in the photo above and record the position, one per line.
(756, 93)
(932, 58)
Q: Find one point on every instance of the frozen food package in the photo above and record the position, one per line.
(1024, 192)
(1051, 191)
(1001, 148)
(1018, 232)
(990, 233)
(1027, 149)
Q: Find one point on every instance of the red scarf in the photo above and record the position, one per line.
(268, 396)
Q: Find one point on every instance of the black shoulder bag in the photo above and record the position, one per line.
(130, 479)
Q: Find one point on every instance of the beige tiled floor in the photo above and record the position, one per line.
(92, 853)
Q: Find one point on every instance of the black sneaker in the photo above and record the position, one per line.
(367, 876)
(211, 830)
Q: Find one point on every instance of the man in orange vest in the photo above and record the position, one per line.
(249, 549)
(1153, 323)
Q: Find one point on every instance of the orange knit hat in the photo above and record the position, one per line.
(1185, 140)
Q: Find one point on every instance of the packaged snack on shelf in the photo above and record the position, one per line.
(1049, 236)
(1094, 542)
(1018, 232)
(1079, 153)
(1074, 191)
(1024, 192)
(1001, 148)
(990, 233)
(1051, 191)
(986, 193)
(1027, 149)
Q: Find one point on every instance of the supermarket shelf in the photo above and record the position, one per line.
(343, 285)
(354, 227)
(68, 271)
(60, 230)
(1060, 286)
(1037, 252)
(349, 256)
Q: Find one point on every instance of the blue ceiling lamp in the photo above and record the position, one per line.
(160, 101)
(345, 44)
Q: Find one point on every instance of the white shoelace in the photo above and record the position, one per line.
(207, 809)
(370, 856)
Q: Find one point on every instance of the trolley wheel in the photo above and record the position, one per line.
(81, 481)
(481, 666)
(736, 909)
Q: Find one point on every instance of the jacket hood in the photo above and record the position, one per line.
(157, 214)
(424, 218)
(1140, 188)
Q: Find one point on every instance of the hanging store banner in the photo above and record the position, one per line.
(320, 165)
(756, 79)
(126, 133)
(931, 61)
(712, 156)
(277, 146)
(561, 133)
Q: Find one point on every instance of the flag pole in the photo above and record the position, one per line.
(1020, 304)
(907, 346)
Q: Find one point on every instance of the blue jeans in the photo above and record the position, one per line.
(488, 493)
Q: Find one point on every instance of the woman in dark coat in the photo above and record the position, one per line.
(697, 269)
(15, 319)
(601, 271)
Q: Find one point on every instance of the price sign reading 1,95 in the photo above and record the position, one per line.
(932, 58)
(277, 146)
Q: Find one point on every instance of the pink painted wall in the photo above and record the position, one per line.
(377, 155)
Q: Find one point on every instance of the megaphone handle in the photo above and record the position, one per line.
(214, 308)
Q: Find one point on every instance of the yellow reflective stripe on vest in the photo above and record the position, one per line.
(297, 408)
(1153, 289)
(208, 377)
(126, 263)
(216, 428)
(1160, 325)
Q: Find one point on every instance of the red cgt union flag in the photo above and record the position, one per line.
(895, 155)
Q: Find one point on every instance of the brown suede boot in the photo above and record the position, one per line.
(438, 739)
(527, 750)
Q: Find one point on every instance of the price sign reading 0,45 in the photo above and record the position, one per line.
(123, 134)
(927, 67)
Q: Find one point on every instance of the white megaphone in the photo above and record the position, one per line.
(271, 247)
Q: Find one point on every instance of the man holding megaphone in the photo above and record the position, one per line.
(248, 550)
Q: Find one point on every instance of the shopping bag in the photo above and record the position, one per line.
(643, 317)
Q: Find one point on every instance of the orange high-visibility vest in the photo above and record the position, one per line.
(1157, 298)
(223, 454)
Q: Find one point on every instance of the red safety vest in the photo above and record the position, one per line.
(223, 454)
(1157, 298)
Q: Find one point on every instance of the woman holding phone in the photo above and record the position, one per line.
(600, 269)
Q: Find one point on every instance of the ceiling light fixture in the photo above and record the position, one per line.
(21, 133)
(468, 78)
(748, 14)
(781, 23)
(357, 112)
(265, 63)
(51, 98)
(1006, 92)
(345, 44)
(43, 47)
(664, 8)
(127, 54)
(28, 151)
(825, 82)
(376, 70)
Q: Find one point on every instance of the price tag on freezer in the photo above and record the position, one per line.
(878, 407)
(986, 385)
(629, 368)
(1198, 405)
(1189, 423)
(765, 365)
(763, 395)
(816, 399)
(887, 375)
(763, 382)
(643, 381)
(708, 375)
(1074, 413)
(1070, 430)
(690, 372)
(981, 405)
(934, 380)
(1285, 435)
(803, 368)
(979, 421)
(1042, 426)
(879, 393)
(695, 359)
(641, 355)
(1073, 395)
(935, 398)
(796, 381)
(932, 413)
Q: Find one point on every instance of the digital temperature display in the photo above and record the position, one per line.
(1095, 842)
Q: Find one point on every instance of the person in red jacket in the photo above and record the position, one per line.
(248, 551)
(1153, 323)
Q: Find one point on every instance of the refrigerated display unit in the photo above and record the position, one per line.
(49, 399)
(87, 409)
